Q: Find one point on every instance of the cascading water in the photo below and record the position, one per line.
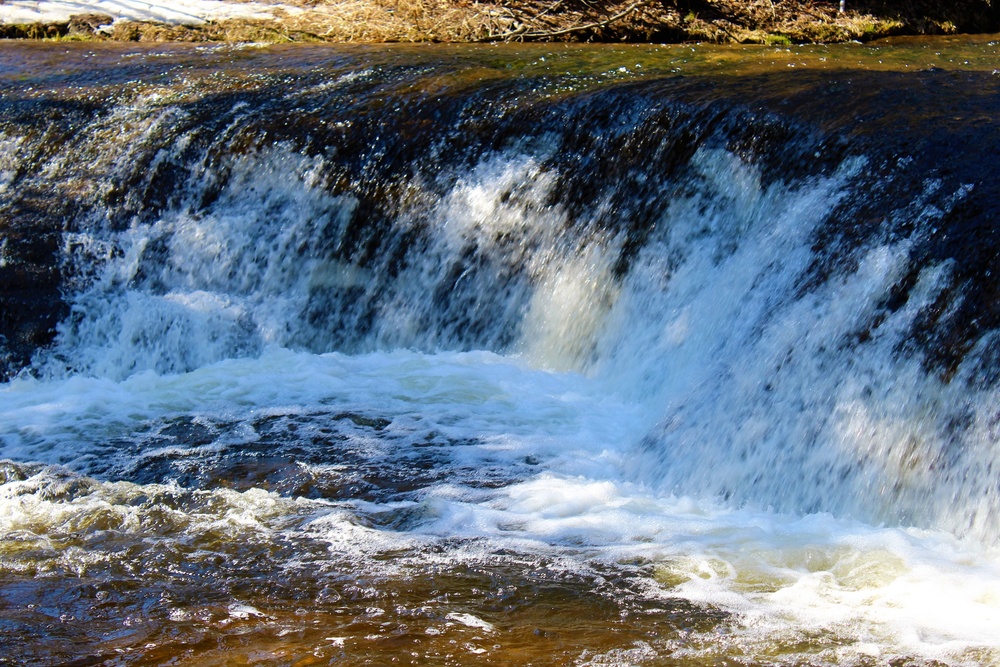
(305, 319)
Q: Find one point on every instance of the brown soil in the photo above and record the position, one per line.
(743, 21)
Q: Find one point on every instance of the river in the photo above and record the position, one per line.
(500, 355)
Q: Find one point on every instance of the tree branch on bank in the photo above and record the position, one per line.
(522, 31)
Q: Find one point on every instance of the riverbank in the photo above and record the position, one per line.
(747, 21)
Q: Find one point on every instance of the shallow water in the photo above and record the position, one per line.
(540, 355)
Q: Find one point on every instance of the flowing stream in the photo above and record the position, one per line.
(519, 355)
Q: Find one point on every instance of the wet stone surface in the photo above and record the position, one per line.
(316, 455)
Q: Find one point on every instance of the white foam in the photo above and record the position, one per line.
(785, 577)
(471, 621)
(231, 282)
(892, 590)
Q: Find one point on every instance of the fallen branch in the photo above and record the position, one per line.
(522, 31)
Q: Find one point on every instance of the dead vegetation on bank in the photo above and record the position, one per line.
(742, 21)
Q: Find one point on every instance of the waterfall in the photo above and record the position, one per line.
(404, 316)
(619, 234)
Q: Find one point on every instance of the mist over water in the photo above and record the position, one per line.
(628, 353)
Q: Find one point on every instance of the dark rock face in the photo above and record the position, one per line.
(31, 259)
(923, 129)
(33, 221)
(30, 302)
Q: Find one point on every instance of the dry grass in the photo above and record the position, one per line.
(388, 21)
(744, 21)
